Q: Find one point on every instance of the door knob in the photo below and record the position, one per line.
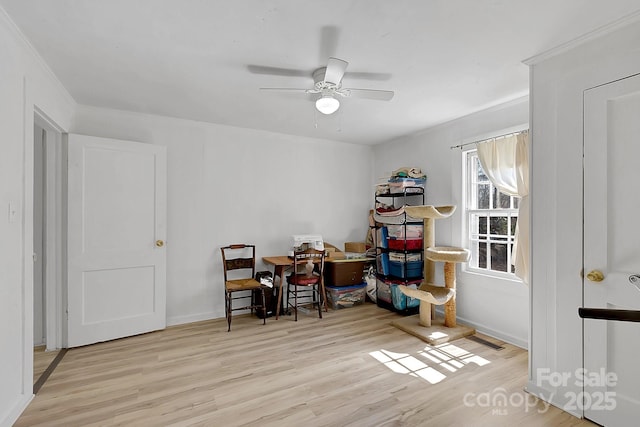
(159, 243)
(595, 276)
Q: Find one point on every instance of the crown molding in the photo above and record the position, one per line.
(7, 22)
(597, 33)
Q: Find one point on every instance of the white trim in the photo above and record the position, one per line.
(27, 242)
(43, 120)
(549, 396)
(531, 229)
(491, 274)
(16, 410)
(587, 37)
(490, 332)
(472, 240)
(24, 41)
(494, 106)
(54, 255)
(191, 318)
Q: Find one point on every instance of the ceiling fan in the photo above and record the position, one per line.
(328, 84)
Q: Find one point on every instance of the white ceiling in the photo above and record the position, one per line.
(193, 58)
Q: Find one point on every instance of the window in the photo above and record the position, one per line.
(491, 218)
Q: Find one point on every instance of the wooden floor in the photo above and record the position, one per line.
(349, 369)
(41, 360)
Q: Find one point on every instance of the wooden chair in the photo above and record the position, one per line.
(238, 261)
(306, 282)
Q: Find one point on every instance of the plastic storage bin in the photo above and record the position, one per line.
(399, 244)
(405, 270)
(400, 185)
(383, 291)
(346, 296)
(400, 300)
(405, 231)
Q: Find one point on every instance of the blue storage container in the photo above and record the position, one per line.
(400, 300)
(405, 270)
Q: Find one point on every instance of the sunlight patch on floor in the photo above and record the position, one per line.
(447, 357)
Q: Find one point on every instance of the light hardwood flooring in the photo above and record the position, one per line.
(41, 360)
(351, 368)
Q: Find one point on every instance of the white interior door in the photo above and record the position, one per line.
(612, 246)
(116, 227)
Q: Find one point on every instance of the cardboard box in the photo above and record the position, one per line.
(332, 252)
(359, 247)
(334, 256)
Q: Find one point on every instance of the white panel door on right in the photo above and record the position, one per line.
(115, 236)
(612, 251)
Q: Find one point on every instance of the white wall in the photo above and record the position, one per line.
(24, 82)
(231, 185)
(558, 82)
(496, 307)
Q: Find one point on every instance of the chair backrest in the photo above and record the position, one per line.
(302, 257)
(239, 257)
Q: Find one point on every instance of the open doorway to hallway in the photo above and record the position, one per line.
(48, 242)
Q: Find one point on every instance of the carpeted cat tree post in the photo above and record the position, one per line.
(428, 327)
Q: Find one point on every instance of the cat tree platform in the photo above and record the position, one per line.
(427, 327)
(435, 334)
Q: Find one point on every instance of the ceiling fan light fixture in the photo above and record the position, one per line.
(327, 104)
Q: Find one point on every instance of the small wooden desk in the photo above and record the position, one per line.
(281, 263)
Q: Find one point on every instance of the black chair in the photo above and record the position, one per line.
(239, 264)
(306, 283)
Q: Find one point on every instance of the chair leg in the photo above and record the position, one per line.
(287, 302)
(264, 307)
(295, 301)
(316, 290)
(227, 300)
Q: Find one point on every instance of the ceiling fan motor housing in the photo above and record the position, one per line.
(320, 83)
(326, 88)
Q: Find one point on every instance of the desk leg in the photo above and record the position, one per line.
(278, 270)
(323, 297)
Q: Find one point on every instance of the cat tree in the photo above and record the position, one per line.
(427, 327)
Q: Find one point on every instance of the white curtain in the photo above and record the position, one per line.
(506, 162)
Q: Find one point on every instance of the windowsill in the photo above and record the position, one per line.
(484, 274)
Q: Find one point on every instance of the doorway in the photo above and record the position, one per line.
(48, 235)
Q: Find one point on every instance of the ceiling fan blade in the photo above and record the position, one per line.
(367, 76)
(276, 71)
(329, 35)
(289, 89)
(379, 95)
(335, 70)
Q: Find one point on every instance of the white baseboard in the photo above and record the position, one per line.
(549, 396)
(191, 318)
(494, 333)
(18, 408)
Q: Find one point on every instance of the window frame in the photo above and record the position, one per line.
(470, 210)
